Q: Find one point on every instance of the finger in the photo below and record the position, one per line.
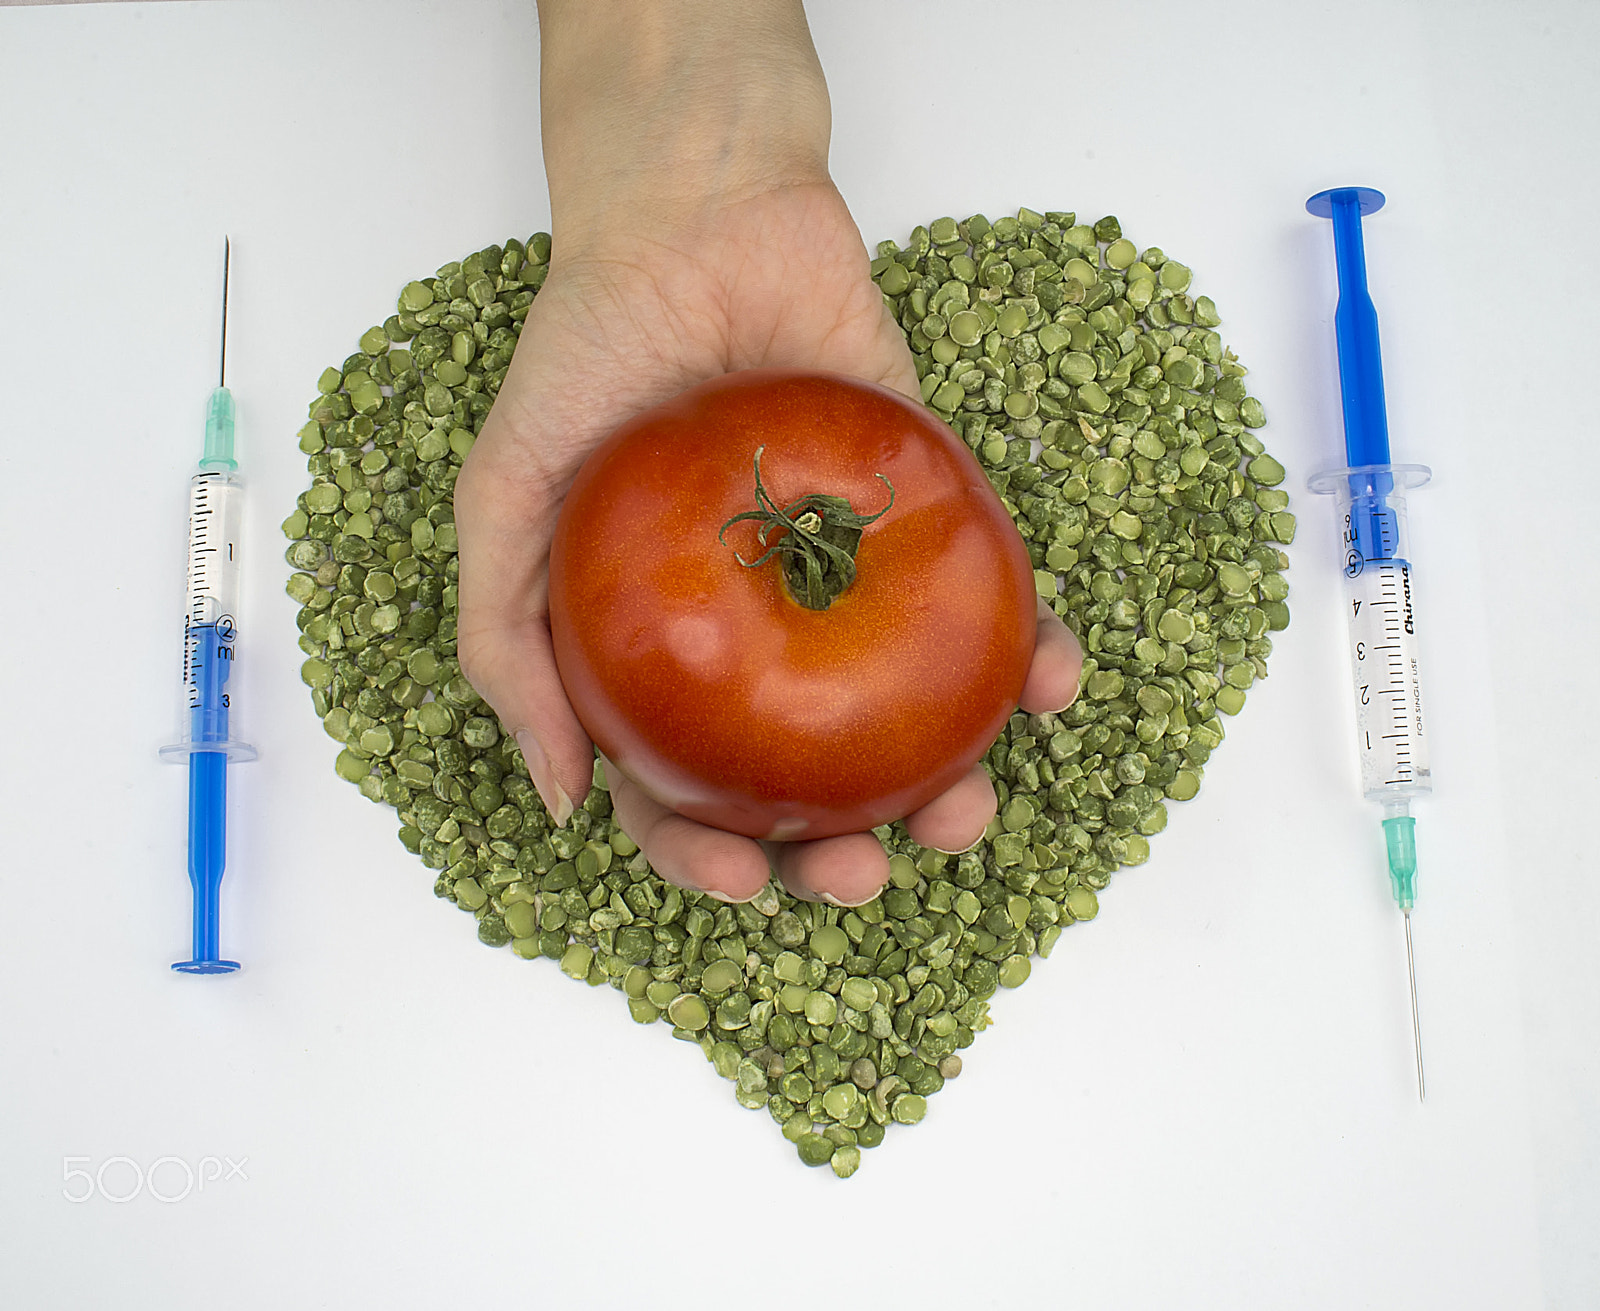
(503, 644)
(1052, 682)
(956, 819)
(844, 871)
(723, 865)
(514, 670)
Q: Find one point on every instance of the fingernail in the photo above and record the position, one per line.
(557, 802)
(845, 905)
(961, 851)
(716, 894)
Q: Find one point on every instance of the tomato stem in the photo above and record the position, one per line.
(817, 549)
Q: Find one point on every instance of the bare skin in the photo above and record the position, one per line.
(695, 231)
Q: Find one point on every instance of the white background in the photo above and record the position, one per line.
(1205, 1099)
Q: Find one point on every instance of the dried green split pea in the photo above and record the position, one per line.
(1116, 427)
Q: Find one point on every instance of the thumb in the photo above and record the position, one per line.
(513, 668)
(503, 638)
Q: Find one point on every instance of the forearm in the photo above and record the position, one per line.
(671, 104)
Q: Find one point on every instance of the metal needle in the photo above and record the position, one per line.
(222, 366)
(1416, 1023)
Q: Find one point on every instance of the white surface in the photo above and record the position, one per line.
(1204, 1100)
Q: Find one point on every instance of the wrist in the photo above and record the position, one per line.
(658, 112)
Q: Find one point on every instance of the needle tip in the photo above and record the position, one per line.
(1416, 1022)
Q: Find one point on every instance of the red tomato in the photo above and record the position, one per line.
(711, 686)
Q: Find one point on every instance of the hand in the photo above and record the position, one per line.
(746, 256)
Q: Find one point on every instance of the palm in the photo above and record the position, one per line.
(779, 279)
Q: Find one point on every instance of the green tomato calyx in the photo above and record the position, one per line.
(817, 546)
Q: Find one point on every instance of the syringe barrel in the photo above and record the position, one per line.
(208, 715)
(1380, 610)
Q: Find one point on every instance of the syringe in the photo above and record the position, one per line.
(1370, 498)
(210, 642)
